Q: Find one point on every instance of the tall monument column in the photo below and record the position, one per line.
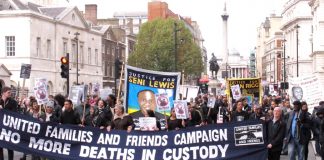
(225, 66)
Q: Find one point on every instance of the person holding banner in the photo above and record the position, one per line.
(239, 115)
(150, 113)
(257, 113)
(36, 112)
(103, 115)
(49, 112)
(173, 123)
(84, 109)
(7, 103)
(121, 120)
(90, 118)
(194, 116)
(69, 116)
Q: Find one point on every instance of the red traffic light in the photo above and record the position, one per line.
(64, 60)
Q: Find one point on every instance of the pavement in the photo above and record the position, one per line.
(311, 154)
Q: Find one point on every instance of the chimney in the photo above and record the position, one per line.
(91, 13)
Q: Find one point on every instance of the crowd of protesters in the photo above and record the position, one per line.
(289, 128)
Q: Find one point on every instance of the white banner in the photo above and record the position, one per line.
(104, 93)
(236, 91)
(147, 123)
(211, 101)
(189, 92)
(162, 101)
(95, 88)
(78, 94)
(40, 90)
(306, 88)
(181, 109)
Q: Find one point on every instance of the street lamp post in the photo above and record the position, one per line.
(176, 30)
(297, 26)
(284, 68)
(77, 56)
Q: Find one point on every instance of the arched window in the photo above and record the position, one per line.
(73, 17)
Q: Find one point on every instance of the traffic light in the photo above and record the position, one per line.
(118, 68)
(65, 67)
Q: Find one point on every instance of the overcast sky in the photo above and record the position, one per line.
(244, 18)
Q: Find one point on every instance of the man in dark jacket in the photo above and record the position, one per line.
(276, 133)
(298, 123)
(307, 127)
(69, 116)
(239, 114)
(7, 103)
(320, 118)
(194, 117)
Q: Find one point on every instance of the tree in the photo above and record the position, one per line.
(155, 45)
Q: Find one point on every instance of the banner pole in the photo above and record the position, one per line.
(182, 83)
(120, 81)
(83, 114)
(22, 91)
(166, 119)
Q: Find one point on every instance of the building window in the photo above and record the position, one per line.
(73, 17)
(106, 68)
(73, 52)
(103, 49)
(10, 45)
(38, 46)
(81, 58)
(96, 57)
(111, 69)
(89, 55)
(49, 48)
(64, 48)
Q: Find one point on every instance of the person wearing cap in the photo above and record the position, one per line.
(295, 132)
(49, 112)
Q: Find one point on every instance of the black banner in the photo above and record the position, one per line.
(244, 141)
(25, 71)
